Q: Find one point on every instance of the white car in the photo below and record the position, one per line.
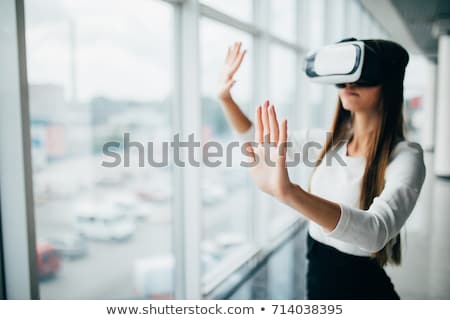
(103, 222)
(132, 205)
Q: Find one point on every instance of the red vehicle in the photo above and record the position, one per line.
(48, 260)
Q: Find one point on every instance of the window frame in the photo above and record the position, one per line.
(19, 254)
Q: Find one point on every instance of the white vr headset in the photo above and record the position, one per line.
(344, 62)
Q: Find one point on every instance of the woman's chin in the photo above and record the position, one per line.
(349, 107)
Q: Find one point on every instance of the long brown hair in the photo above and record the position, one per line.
(389, 131)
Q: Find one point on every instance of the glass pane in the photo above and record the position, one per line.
(316, 26)
(336, 25)
(225, 189)
(99, 72)
(282, 80)
(283, 19)
(240, 9)
(365, 25)
(282, 276)
(354, 19)
(283, 94)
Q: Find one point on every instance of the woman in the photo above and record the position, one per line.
(356, 207)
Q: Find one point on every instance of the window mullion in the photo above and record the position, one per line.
(19, 246)
(190, 114)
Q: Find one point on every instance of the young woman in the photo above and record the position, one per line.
(356, 207)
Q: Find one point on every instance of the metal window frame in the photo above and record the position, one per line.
(177, 174)
(2, 269)
(19, 244)
(190, 115)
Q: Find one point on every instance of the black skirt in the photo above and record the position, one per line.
(333, 274)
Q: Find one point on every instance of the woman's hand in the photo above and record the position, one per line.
(268, 158)
(232, 63)
(268, 170)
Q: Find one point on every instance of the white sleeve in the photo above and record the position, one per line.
(302, 142)
(371, 229)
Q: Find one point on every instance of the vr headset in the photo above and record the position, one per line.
(349, 61)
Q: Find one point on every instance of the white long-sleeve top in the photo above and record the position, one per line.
(360, 232)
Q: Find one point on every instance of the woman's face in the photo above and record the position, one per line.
(360, 99)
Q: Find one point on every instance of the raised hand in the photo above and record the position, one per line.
(268, 158)
(232, 63)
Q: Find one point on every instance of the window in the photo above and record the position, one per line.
(240, 9)
(316, 25)
(105, 94)
(365, 24)
(103, 232)
(225, 189)
(354, 19)
(283, 90)
(283, 80)
(283, 19)
(336, 17)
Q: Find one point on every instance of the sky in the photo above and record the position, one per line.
(126, 51)
(121, 51)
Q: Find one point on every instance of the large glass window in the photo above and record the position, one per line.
(225, 189)
(101, 72)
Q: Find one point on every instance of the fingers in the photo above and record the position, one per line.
(238, 61)
(234, 52)
(236, 49)
(230, 83)
(227, 58)
(251, 158)
(282, 148)
(269, 130)
(274, 130)
(259, 136)
(265, 122)
(267, 126)
(283, 137)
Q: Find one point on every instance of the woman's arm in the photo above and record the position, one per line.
(369, 229)
(236, 118)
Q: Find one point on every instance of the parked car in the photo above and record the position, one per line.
(48, 260)
(132, 205)
(70, 246)
(104, 222)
